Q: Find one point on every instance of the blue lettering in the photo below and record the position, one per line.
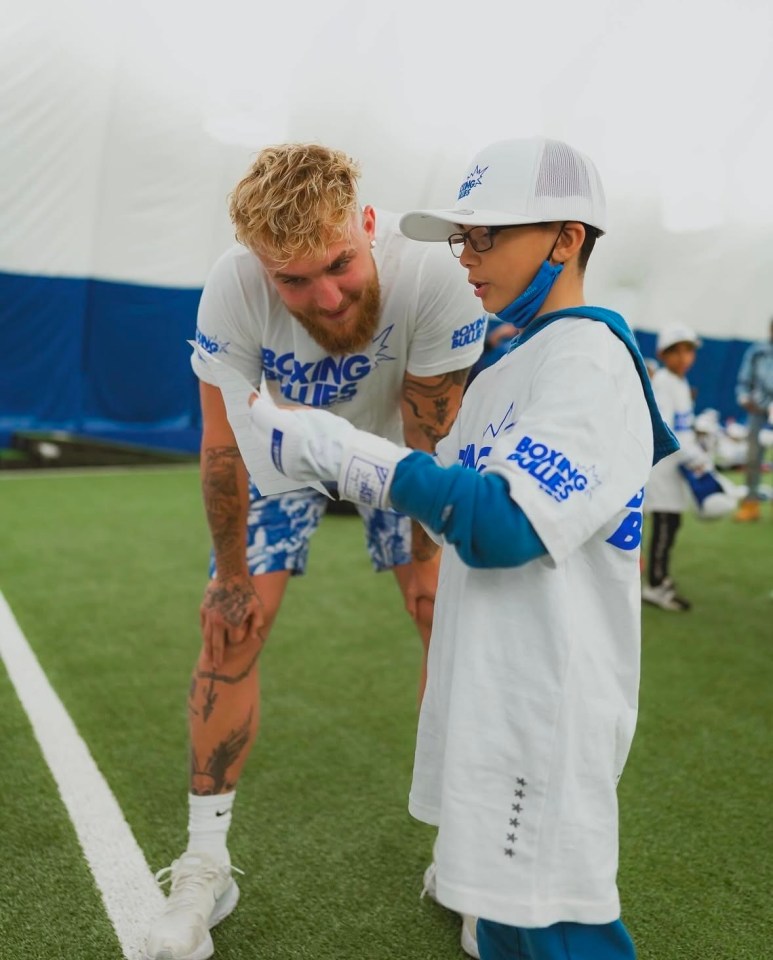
(471, 459)
(299, 372)
(472, 180)
(554, 482)
(324, 394)
(469, 333)
(329, 369)
(284, 364)
(628, 534)
(211, 344)
(356, 367)
(269, 359)
(343, 371)
(637, 499)
(316, 394)
(550, 467)
(540, 469)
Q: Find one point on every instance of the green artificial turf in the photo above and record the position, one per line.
(105, 572)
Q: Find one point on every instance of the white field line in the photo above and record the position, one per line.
(130, 894)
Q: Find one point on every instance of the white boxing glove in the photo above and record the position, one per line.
(694, 457)
(368, 467)
(717, 505)
(309, 444)
(303, 444)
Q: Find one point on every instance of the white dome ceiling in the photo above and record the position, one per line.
(128, 123)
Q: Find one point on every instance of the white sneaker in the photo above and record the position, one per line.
(663, 596)
(470, 935)
(203, 892)
(469, 923)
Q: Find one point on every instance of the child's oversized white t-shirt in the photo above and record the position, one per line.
(533, 671)
(667, 490)
(430, 324)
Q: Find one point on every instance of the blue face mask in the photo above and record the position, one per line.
(525, 306)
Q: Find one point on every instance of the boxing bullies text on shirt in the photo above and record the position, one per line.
(559, 478)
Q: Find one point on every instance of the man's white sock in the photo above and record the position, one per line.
(208, 821)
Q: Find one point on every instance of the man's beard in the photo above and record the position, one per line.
(356, 332)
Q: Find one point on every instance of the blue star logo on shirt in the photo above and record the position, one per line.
(592, 477)
(213, 344)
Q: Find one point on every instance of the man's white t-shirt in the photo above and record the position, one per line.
(533, 671)
(430, 324)
(667, 490)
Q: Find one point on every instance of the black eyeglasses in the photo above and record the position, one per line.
(480, 239)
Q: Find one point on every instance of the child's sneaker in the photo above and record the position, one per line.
(470, 935)
(663, 596)
(469, 923)
(683, 603)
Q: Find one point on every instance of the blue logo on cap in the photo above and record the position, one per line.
(472, 179)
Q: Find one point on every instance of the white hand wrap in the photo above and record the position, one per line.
(367, 468)
(308, 444)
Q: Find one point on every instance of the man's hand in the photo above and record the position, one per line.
(422, 585)
(420, 593)
(231, 613)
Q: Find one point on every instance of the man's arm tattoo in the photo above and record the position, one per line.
(430, 406)
(223, 504)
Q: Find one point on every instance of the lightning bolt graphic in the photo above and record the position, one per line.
(381, 341)
(494, 431)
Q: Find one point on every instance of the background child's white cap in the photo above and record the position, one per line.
(677, 333)
(518, 181)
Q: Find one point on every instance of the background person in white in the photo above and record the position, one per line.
(532, 688)
(667, 495)
(336, 308)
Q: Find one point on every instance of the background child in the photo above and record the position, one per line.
(667, 494)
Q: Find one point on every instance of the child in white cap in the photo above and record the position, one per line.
(536, 493)
(667, 494)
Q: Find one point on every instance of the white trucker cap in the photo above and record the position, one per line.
(518, 181)
(676, 333)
